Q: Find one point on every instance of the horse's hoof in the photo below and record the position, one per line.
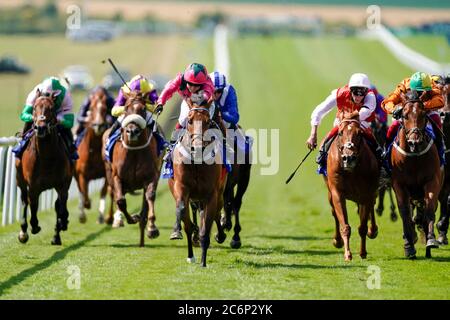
(394, 217)
(190, 260)
(176, 235)
(432, 243)
(379, 211)
(35, 230)
(219, 238)
(23, 237)
(348, 257)
(153, 233)
(410, 253)
(195, 240)
(82, 218)
(235, 244)
(363, 255)
(100, 219)
(428, 253)
(338, 243)
(372, 234)
(442, 239)
(56, 241)
(109, 220)
(440, 225)
(134, 219)
(117, 223)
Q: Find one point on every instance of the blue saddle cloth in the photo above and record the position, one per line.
(80, 137)
(161, 143)
(21, 146)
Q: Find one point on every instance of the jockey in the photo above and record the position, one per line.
(140, 84)
(430, 95)
(356, 95)
(63, 107)
(380, 114)
(82, 114)
(225, 99)
(195, 84)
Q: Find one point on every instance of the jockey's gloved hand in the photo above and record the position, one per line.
(398, 111)
(158, 109)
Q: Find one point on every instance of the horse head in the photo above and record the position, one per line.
(198, 122)
(349, 139)
(44, 115)
(414, 119)
(134, 123)
(97, 112)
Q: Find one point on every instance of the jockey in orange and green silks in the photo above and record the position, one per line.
(63, 107)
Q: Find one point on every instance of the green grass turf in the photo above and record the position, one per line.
(286, 230)
(433, 47)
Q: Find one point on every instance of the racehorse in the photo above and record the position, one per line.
(198, 177)
(45, 164)
(444, 196)
(379, 130)
(353, 173)
(90, 165)
(135, 164)
(416, 174)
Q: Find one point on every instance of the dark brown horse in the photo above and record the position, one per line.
(444, 196)
(237, 183)
(416, 174)
(353, 173)
(44, 165)
(90, 165)
(199, 177)
(135, 165)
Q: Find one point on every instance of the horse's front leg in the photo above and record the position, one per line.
(380, 206)
(62, 214)
(150, 196)
(85, 202)
(23, 235)
(121, 202)
(33, 200)
(228, 198)
(341, 214)
(363, 218)
(337, 239)
(182, 203)
(102, 203)
(221, 235)
(205, 226)
(408, 225)
(394, 216)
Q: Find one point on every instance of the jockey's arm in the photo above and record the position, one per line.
(394, 98)
(27, 112)
(81, 117)
(369, 106)
(169, 89)
(230, 111)
(65, 115)
(435, 102)
(317, 115)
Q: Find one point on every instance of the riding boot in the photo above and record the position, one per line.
(114, 128)
(323, 151)
(67, 137)
(176, 134)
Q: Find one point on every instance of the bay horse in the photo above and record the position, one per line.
(45, 164)
(416, 174)
(90, 164)
(353, 173)
(237, 183)
(379, 130)
(135, 164)
(444, 196)
(198, 177)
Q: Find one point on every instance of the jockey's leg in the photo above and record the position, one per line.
(66, 135)
(436, 124)
(176, 133)
(323, 151)
(116, 125)
(392, 132)
(373, 144)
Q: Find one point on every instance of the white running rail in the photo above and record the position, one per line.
(408, 56)
(221, 55)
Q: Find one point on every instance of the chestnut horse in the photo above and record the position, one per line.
(416, 174)
(90, 165)
(135, 164)
(444, 196)
(44, 165)
(353, 173)
(199, 177)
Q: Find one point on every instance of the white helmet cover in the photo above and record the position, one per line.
(359, 80)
